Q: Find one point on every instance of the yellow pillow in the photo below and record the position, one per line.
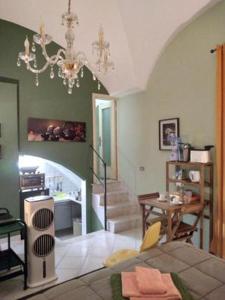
(119, 256)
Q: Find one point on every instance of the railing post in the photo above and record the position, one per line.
(103, 183)
(105, 196)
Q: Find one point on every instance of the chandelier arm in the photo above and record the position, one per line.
(69, 6)
(82, 56)
(54, 58)
(37, 71)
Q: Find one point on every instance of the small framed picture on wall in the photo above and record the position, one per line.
(168, 130)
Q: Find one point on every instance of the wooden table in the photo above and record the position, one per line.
(169, 211)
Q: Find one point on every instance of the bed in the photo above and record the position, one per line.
(203, 274)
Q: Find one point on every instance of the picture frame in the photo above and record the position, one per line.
(48, 130)
(166, 127)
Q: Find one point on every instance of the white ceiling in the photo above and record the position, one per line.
(138, 30)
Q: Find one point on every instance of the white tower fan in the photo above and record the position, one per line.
(39, 217)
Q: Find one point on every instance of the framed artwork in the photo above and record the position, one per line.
(167, 129)
(45, 130)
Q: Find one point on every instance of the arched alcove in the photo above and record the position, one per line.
(67, 189)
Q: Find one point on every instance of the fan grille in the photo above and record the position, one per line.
(42, 219)
(43, 245)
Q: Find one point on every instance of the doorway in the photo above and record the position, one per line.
(104, 135)
(9, 145)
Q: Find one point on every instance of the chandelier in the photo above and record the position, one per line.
(70, 63)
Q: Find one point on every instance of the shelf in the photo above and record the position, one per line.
(12, 226)
(8, 260)
(205, 171)
(188, 182)
(189, 164)
(76, 201)
(11, 264)
(66, 199)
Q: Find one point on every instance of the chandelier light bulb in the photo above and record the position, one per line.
(42, 31)
(27, 46)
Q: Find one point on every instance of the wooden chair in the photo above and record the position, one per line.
(184, 231)
(156, 216)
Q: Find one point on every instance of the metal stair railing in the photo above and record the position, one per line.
(102, 181)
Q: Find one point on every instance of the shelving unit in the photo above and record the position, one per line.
(206, 181)
(11, 264)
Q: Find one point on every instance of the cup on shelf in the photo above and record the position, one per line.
(194, 176)
(162, 196)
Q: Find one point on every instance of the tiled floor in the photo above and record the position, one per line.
(73, 257)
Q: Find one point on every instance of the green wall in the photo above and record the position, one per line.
(9, 147)
(49, 100)
(181, 85)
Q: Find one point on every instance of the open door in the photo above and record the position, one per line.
(104, 135)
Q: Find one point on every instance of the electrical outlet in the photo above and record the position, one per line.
(141, 168)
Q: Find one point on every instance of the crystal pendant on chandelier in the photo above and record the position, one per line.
(70, 64)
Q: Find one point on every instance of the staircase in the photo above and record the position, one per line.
(122, 213)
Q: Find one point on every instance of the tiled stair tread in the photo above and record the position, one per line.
(112, 201)
(125, 218)
(109, 181)
(122, 191)
(111, 186)
(125, 204)
(121, 209)
(115, 203)
(121, 205)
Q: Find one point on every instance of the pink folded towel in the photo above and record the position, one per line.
(149, 281)
(129, 285)
(130, 288)
(153, 298)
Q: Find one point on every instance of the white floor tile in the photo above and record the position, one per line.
(73, 257)
(91, 264)
(71, 262)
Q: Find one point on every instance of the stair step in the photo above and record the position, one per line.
(123, 223)
(111, 186)
(121, 209)
(114, 198)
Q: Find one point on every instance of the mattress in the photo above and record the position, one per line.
(203, 274)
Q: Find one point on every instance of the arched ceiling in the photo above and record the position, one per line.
(138, 30)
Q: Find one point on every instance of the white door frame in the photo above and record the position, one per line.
(101, 108)
(114, 162)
